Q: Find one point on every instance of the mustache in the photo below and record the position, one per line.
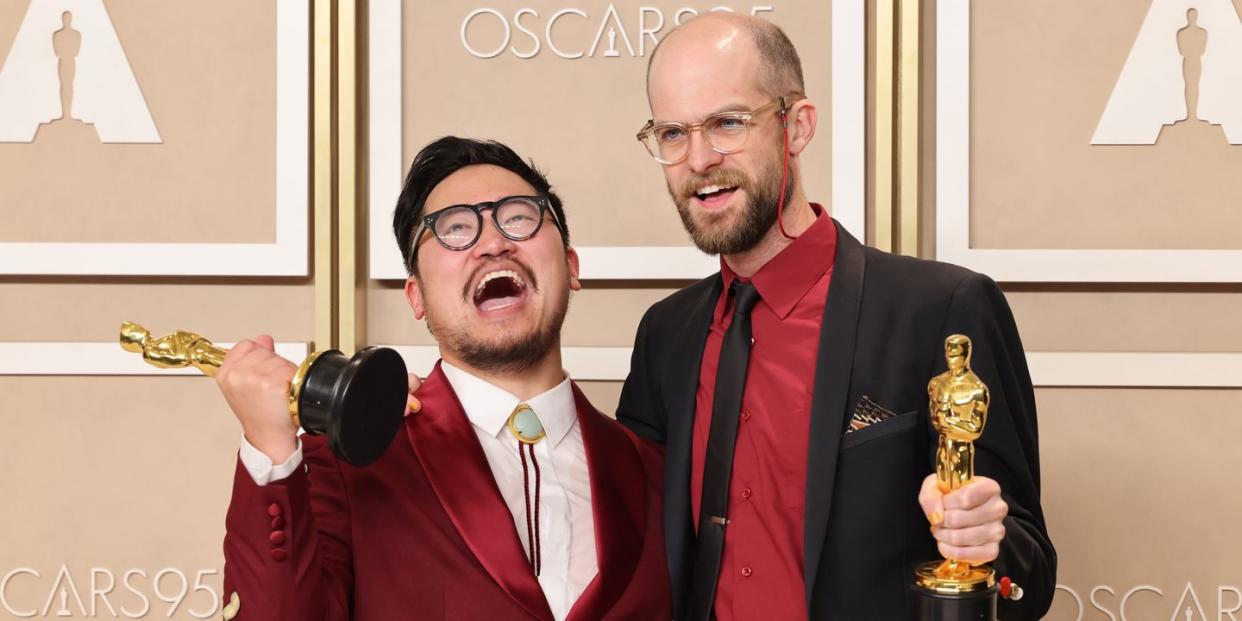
(467, 291)
(717, 176)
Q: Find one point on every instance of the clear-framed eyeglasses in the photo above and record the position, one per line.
(726, 132)
(459, 227)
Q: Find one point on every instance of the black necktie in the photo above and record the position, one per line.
(718, 462)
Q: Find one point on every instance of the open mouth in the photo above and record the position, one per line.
(715, 196)
(499, 289)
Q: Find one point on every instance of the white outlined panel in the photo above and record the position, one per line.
(100, 359)
(288, 256)
(1029, 265)
(613, 262)
(1048, 369)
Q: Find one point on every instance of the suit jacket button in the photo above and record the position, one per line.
(279, 554)
(277, 537)
(273, 509)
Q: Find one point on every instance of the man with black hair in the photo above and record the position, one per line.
(507, 496)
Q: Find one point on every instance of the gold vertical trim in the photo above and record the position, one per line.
(885, 106)
(322, 164)
(351, 283)
(908, 128)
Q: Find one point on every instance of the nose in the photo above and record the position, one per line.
(700, 155)
(491, 243)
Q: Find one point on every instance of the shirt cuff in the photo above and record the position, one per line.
(260, 466)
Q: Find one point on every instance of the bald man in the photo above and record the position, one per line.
(790, 388)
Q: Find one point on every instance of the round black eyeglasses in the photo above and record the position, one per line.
(459, 227)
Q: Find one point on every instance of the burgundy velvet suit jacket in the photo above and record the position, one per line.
(424, 532)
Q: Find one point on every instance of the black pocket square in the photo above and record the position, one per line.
(867, 413)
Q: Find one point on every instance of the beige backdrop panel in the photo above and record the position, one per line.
(93, 311)
(207, 72)
(1128, 320)
(1140, 488)
(1041, 74)
(577, 118)
(124, 473)
(116, 474)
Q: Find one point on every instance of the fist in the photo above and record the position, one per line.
(255, 383)
(968, 522)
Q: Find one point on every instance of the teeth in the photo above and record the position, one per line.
(490, 276)
(708, 189)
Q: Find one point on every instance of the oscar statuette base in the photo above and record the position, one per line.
(968, 598)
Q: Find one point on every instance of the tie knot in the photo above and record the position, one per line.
(744, 297)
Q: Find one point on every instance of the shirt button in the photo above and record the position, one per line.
(746, 492)
(747, 571)
(746, 415)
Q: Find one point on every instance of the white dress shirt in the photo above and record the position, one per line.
(566, 518)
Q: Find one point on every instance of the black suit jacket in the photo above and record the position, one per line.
(883, 335)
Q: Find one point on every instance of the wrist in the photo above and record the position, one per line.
(278, 447)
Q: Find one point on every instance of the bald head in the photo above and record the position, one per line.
(778, 69)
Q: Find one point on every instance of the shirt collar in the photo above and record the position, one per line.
(787, 277)
(488, 406)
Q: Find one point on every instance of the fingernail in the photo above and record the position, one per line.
(935, 518)
(414, 405)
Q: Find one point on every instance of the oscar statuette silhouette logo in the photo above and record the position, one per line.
(1192, 43)
(1183, 74)
(65, 70)
(68, 43)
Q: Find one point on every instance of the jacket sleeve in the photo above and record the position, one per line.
(639, 406)
(287, 544)
(1008, 450)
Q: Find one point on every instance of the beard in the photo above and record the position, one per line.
(713, 233)
(508, 351)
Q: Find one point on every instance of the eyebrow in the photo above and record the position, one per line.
(731, 107)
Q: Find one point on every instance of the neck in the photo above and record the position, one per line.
(798, 217)
(525, 384)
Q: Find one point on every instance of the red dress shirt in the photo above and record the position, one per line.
(761, 568)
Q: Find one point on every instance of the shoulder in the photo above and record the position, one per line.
(649, 454)
(911, 272)
(644, 447)
(917, 283)
(674, 314)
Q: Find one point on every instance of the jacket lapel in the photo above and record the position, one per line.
(831, 389)
(619, 505)
(680, 385)
(450, 454)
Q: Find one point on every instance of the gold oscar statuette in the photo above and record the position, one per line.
(958, 401)
(188, 349)
(358, 403)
